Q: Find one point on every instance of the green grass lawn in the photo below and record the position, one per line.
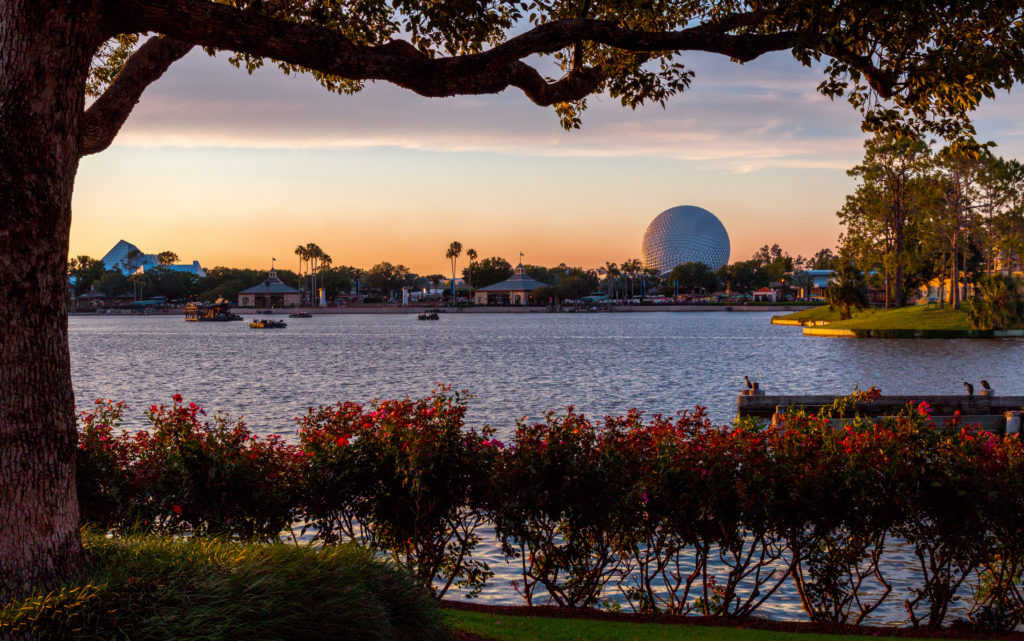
(911, 317)
(822, 312)
(514, 628)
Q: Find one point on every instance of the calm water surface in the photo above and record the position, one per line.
(518, 365)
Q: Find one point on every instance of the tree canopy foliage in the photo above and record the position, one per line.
(920, 212)
(921, 66)
(689, 277)
(488, 271)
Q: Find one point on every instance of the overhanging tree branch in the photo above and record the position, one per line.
(313, 47)
(104, 118)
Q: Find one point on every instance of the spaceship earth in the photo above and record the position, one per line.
(685, 234)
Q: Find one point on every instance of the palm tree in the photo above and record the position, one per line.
(471, 255)
(303, 255)
(629, 270)
(612, 272)
(454, 250)
(325, 264)
(846, 292)
(313, 255)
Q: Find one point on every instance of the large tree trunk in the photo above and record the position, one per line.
(44, 59)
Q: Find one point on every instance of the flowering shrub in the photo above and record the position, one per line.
(558, 506)
(667, 514)
(186, 474)
(833, 501)
(104, 467)
(404, 477)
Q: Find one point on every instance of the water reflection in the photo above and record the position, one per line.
(517, 364)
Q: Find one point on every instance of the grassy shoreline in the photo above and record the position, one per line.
(914, 321)
(511, 623)
(914, 317)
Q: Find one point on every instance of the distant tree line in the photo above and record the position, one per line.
(385, 280)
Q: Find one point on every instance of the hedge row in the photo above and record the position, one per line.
(668, 514)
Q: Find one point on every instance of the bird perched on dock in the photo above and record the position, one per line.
(988, 388)
(750, 385)
(970, 389)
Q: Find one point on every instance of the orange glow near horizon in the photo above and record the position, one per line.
(240, 208)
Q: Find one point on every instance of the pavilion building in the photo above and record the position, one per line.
(514, 291)
(270, 293)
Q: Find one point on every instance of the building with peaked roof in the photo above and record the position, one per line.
(128, 259)
(514, 291)
(270, 293)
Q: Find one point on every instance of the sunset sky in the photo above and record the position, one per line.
(229, 169)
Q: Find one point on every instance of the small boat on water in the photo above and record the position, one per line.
(267, 324)
(300, 315)
(212, 312)
(428, 315)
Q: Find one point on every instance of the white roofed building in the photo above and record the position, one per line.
(127, 259)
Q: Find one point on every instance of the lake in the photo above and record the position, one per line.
(519, 365)
(516, 364)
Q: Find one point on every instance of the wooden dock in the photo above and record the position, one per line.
(992, 411)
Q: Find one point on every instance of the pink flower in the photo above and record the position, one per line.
(924, 409)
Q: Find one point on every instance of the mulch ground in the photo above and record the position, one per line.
(720, 622)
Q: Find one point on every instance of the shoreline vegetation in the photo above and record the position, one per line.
(914, 321)
(628, 503)
(520, 623)
(164, 588)
(167, 588)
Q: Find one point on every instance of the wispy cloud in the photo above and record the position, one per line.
(764, 114)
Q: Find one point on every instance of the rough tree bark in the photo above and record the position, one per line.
(44, 59)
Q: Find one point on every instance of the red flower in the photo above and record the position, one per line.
(176, 509)
(177, 398)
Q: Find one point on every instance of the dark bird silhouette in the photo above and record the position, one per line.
(750, 385)
(970, 389)
(988, 388)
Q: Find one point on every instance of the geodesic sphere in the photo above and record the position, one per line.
(685, 234)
